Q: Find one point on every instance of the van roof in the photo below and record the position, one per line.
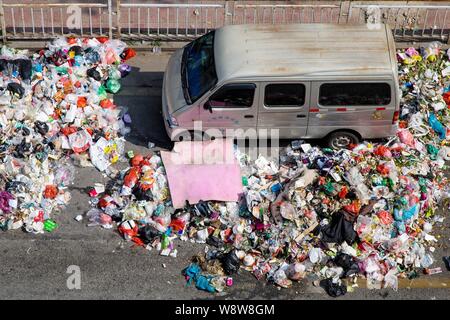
(303, 50)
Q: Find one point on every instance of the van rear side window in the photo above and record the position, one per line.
(354, 94)
(284, 95)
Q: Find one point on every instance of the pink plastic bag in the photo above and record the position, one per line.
(407, 138)
(110, 56)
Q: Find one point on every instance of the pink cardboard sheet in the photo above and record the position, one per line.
(202, 170)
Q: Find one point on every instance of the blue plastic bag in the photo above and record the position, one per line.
(203, 283)
(437, 126)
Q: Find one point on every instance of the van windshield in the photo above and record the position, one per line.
(198, 72)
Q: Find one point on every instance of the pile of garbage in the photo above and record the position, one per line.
(56, 104)
(368, 211)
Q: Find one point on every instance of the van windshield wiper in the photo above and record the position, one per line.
(184, 82)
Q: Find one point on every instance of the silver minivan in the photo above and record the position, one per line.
(336, 82)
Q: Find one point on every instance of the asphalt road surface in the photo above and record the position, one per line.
(35, 266)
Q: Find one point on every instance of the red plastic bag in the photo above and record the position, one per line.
(131, 178)
(102, 39)
(128, 229)
(71, 40)
(137, 159)
(81, 102)
(128, 53)
(68, 130)
(343, 192)
(446, 97)
(385, 217)
(383, 170)
(50, 192)
(383, 151)
(354, 207)
(107, 104)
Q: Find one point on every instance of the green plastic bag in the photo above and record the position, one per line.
(62, 70)
(112, 86)
(433, 151)
(114, 74)
(102, 93)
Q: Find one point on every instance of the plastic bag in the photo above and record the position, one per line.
(128, 53)
(97, 217)
(383, 151)
(287, 211)
(406, 137)
(101, 92)
(112, 85)
(16, 89)
(5, 198)
(333, 289)
(94, 74)
(80, 141)
(124, 69)
(437, 126)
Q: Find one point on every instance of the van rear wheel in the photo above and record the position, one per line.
(341, 140)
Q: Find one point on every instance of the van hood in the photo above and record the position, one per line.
(173, 90)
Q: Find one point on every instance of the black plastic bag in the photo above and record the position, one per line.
(3, 65)
(41, 127)
(347, 263)
(202, 209)
(24, 66)
(230, 262)
(13, 186)
(142, 195)
(22, 149)
(94, 74)
(339, 230)
(77, 50)
(333, 289)
(148, 233)
(214, 241)
(447, 262)
(16, 88)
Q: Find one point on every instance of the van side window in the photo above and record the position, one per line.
(235, 95)
(284, 94)
(355, 94)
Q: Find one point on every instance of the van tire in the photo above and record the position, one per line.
(341, 139)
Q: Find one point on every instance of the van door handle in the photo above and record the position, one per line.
(301, 116)
(248, 116)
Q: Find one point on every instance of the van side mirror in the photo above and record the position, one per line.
(207, 106)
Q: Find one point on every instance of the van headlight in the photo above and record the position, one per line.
(172, 121)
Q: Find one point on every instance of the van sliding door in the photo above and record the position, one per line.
(284, 106)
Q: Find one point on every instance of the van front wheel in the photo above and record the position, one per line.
(341, 140)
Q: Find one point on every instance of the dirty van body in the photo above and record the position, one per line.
(315, 81)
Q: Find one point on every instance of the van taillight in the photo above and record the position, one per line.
(395, 117)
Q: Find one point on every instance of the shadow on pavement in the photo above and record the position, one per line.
(141, 93)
